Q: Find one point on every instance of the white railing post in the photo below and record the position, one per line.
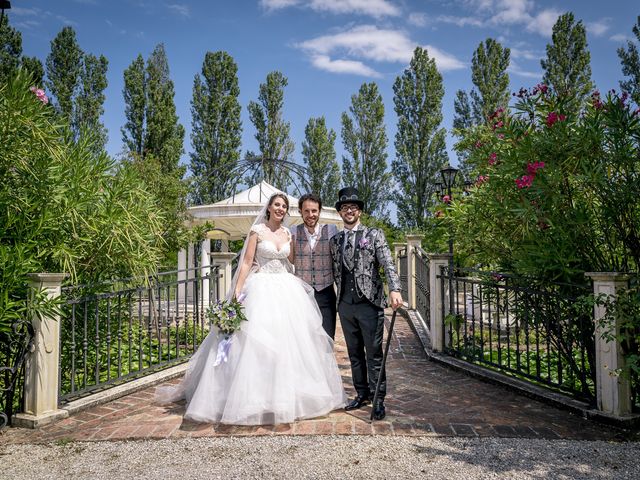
(613, 390)
(182, 276)
(437, 301)
(41, 385)
(413, 241)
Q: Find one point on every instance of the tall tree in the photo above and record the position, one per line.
(10, 55)
(420, 141)
(77, 82)
(216, 128)
(319, 156)
(135, 101)
(90, 100)
(567, 67)
(164, 135)
(272, 132)
(630, 60)
(489, 74)
(152, 127)
(64, 64)
(365, 141)
(463, 119)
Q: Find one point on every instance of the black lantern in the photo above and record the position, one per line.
(448, 177)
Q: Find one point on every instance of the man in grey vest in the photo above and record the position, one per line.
(359, 253)
(313, 260)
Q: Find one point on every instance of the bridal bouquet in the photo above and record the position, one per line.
(226, 316)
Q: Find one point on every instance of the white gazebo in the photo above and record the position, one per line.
(232, 219)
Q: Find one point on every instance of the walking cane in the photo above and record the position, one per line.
(384, 362)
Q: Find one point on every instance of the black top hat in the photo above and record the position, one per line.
(349, 195)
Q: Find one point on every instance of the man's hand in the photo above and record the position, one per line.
(396, 300)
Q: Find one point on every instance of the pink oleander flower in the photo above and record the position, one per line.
(481, 179)
(446, 199)
(478, 144)
(532, 168)
(493, 158)
(553, 117)
(525, 181)
(40, 95)
(499, 124)
(540, 88)
(500, 136)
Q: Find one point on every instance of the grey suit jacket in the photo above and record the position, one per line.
(370, 256)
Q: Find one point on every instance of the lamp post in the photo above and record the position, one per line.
(448, 181)
(4, 5)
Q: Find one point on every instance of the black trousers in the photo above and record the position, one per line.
(326, 299)
(363, 328)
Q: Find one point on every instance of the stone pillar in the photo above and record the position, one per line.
(436, 318)
(413, 241)
(190, 273)
(41, 385)
(182, 275)
(397, 248)
(223, 261)
(205, 271)
(613, 390)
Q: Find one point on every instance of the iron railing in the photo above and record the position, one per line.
(115, 332)
(14, 349)
(421, 282)
(539, 332)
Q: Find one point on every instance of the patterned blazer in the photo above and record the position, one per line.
(371, 254)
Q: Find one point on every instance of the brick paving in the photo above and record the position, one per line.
(424, 398)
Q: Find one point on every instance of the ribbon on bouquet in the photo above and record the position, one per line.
(223, 350)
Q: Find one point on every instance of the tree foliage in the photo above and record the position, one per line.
(319, 155)
(489, 74)
(365, 142)
(630, 60)
(11, 56)
(272, 132)
(420, 139)
(567, 67)
(463, 119)
(216, 128)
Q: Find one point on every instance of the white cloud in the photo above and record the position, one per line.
(514, 69)
(461, 21)
(524, 54)
(24, 12)
(180, 9)
(599, 27)
(368, 42)
(621, 37)
(28, 24)
(513, 13)
(323, 62)
(372, 8)
(418, 19)
(543, 22)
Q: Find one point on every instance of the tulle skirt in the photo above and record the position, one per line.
(280, 366)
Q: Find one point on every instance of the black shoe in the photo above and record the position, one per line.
(358, 402)
(378, 411)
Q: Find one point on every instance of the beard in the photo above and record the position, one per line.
(310, 222)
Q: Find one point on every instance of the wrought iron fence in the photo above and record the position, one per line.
(115, 332)
(403, 273)
(540, 332)
(421, 282)
(14, 348)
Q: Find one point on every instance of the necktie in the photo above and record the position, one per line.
(349, 250)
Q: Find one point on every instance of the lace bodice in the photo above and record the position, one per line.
(268, 257)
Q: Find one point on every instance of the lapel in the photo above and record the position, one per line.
(356, 248)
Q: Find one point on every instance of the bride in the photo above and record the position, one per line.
(280, 365)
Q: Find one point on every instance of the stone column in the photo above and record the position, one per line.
(223, 261)
(42, 374)
(205, 270)
(436, 299)
(397, 248)
(182, 275)
(190, 273)
(612, 389)
(413, 241)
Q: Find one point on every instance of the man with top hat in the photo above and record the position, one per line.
(359, 253)
(313, 260)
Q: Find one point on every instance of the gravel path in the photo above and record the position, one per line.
(320, 457)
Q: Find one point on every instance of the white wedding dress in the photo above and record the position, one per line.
(281, 366)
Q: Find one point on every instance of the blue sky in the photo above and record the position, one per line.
(326, 48)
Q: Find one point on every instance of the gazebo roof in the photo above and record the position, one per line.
(234, 216)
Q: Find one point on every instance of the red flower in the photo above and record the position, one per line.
(525, 181)
(532, 168)
(493, 158)
(553, 117)
(446, 199)
(478, 144)
(481, 179)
